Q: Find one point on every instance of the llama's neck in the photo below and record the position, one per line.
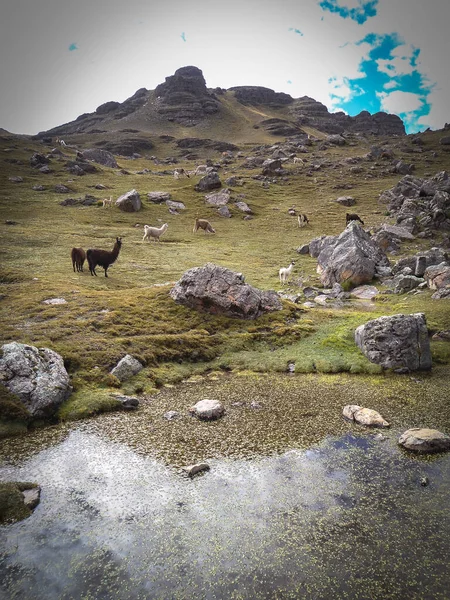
(115, 251)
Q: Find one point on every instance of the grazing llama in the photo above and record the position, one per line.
(302, 220)
(78, 258)
(107, 202)
(205, 225)
(103, 258)
(285, 272)
(154, 232)
(352, 217)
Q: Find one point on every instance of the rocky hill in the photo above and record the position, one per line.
(183, 102)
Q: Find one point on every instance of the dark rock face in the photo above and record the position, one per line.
(399, 342)
(102, 157)
(280, 127)
(220, 291)
(420, 204)
(126, 147)
(184, 97)
(351, 257)
(254, 95)
(206, 143)
(307, 111)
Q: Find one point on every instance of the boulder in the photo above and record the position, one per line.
(126, 402)
(38, 160)
(102, 157)
(192, 470)
(209, 182)
(208, 409)
(36, 376)
(129, 202)
(224, 211)
(220, 291)
(271, 166)
(398, 342)
(17, 500)
(402, 284)
(346, 201)
(218, 198)
(364, 416)
(424, 440)
(364, 292)
(159, 197)
(244, 207)
(420, 262)
(438, 276)
(352, 257)
(126, 368)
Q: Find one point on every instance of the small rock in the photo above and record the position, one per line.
(55, 301)
(192, 470)
(31, 497)
(128, 402)
(208, 409)
(126, 368)
(172, 415)
(364, 416)
(424, 481)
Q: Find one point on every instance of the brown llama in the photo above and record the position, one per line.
(205, 225)
(353, 217)
(78, 258)
(103, 258)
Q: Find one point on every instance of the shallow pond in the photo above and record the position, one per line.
(344, 517)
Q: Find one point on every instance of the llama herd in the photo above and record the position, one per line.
(105, 258)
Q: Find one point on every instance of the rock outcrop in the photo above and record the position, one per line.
(254, 95)
(102, 157)
(398, 342)
(35, 375)
(420, 205)
(220, 291)
(352, 257)
(184, 97)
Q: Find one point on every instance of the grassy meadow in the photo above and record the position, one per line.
(131, 312)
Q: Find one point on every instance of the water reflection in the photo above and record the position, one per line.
(348, 518)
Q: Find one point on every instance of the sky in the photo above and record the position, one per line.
(61, 58)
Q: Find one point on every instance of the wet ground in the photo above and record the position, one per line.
(280, 514)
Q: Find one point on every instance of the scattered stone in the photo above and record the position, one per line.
(364, 416)
(15, 179)
(38, 188)
(424, 481)
(398, 342)
(62, 189)
(31, 497)
(208, 409)
(127, 402)
(424, 440)
(346, 201)
(244, 207)
(159, 197)
(364, 292)
(55, 301)
(37, 376)
(219, 290)
(126, 368)
(218, 198)
(172, 415)
(175, 206)
(192, 470)
(224, 211)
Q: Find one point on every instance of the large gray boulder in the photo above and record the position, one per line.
(37, 376)
(398, 342)
(218, 198)
(220, 291)
(208, 182)
(129, 202)
(420, 262)
(424, 440)
(352, 257)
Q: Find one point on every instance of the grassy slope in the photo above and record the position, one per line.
(131, 312)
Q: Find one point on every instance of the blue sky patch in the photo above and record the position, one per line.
(183, 36)
(389, 80)
(73, 47)
(360, 14)
(296, 31)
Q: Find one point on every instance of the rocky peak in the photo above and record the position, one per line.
(184, 97)
(254, 95)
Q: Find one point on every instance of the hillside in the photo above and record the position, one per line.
(131, 311)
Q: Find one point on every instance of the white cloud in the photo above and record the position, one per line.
(399, 102)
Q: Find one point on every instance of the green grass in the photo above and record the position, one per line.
(131, 310)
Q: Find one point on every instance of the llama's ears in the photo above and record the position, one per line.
(118, 239)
